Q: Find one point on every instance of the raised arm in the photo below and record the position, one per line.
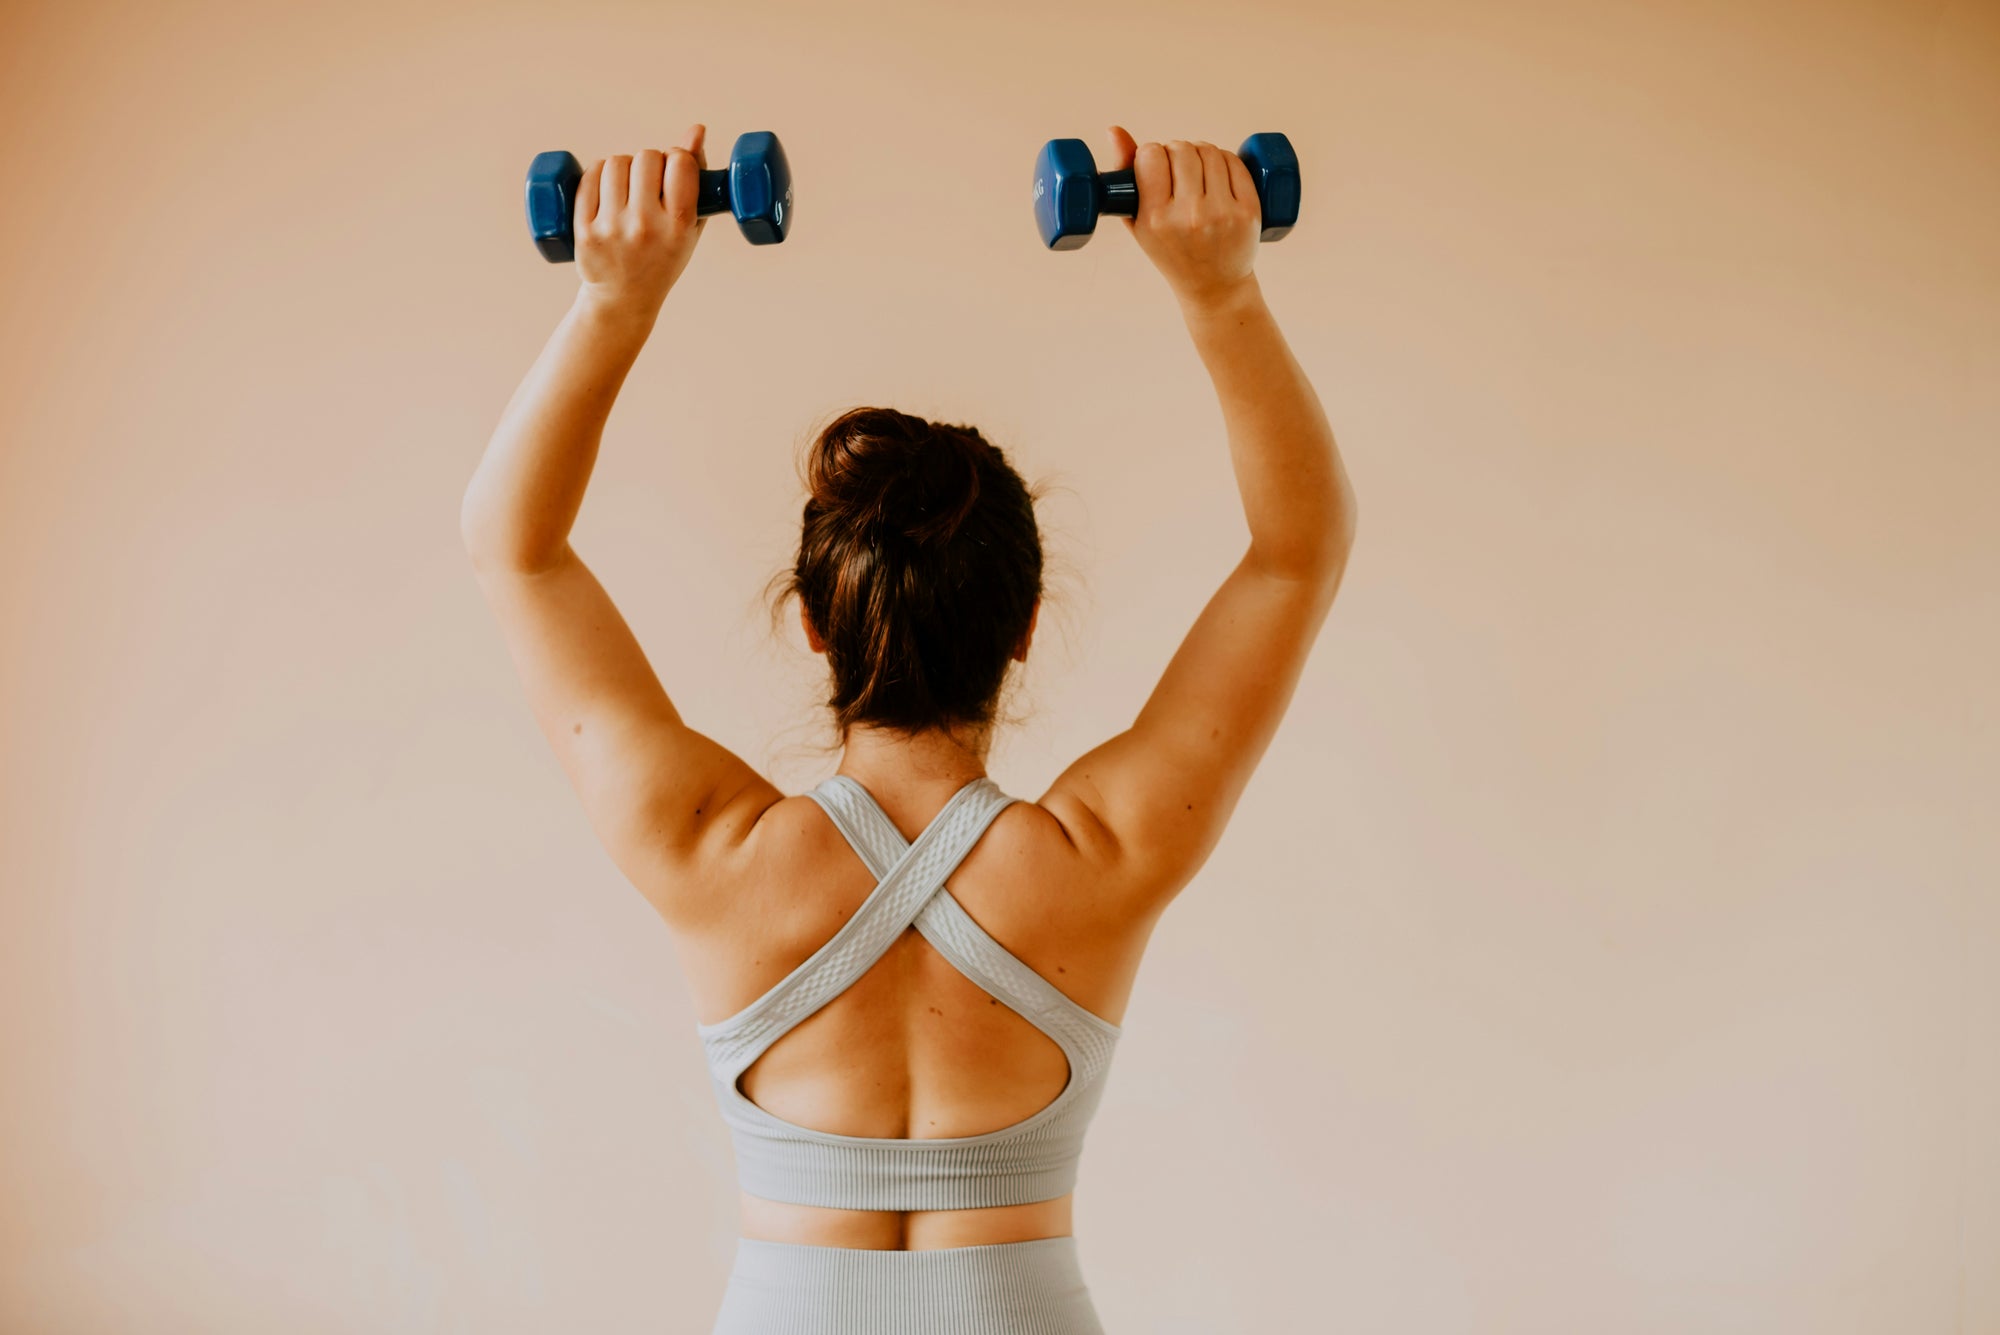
(1152, 801)
(661, 796)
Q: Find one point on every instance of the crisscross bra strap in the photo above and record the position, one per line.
(1087, 1039)
(912, 876)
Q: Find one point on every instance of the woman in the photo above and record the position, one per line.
(907, 1069)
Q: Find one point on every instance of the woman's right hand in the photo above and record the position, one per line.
(636, 226)
(1198, 215)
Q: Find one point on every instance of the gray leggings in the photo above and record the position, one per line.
(1007, 1288)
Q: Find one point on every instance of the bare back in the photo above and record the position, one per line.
(914, 1048)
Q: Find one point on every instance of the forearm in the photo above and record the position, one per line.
(523, 499)
(1296, 497)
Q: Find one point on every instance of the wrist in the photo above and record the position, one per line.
(614, 313)
(1222, 302)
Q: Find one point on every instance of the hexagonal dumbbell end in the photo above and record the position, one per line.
(1275, 168)
(759, 187)
(552, 181)
(1065, 193)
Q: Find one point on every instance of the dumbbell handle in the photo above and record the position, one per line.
(1118, 193)
(712, 195)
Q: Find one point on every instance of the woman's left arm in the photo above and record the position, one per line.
(663, 798)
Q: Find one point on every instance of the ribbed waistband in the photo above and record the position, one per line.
(1008, 1288)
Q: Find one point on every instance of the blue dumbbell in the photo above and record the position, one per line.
(756, 187)
(1070, 193)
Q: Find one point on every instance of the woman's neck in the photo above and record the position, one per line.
(921, 769)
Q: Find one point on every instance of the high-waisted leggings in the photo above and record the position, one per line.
(1007, 1288)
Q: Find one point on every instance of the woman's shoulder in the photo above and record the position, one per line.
(794, 848)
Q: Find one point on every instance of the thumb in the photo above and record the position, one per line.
(695, 141)
(680, 190)
(1122, 149)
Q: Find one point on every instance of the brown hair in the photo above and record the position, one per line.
(919, 566)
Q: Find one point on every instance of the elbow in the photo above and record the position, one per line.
(501, 542)
(1346, 517)
(491, 539)
(1340, 541)
(1327, 572)
(1318, 557)
(475, 527)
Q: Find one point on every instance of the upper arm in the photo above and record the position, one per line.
(662, 797)
(1153, 800)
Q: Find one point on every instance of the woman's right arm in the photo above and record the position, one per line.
(1151, 802)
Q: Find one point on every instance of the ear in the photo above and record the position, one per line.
(813, 641)
(1034, 615)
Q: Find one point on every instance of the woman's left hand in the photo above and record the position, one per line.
(635, 224)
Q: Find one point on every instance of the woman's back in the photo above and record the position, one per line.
(913, 1048)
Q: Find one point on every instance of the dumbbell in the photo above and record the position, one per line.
(1070, 193)
(756, 186)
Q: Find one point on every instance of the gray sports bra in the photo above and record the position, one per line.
(1032, 1160)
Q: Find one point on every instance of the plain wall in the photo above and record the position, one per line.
(1610, 941)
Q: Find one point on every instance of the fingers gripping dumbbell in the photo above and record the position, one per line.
(756, 186)
(1071, 194)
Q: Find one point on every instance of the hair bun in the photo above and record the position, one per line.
(893, 475)
(918, 570)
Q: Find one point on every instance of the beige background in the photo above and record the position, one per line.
(1609, 943)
